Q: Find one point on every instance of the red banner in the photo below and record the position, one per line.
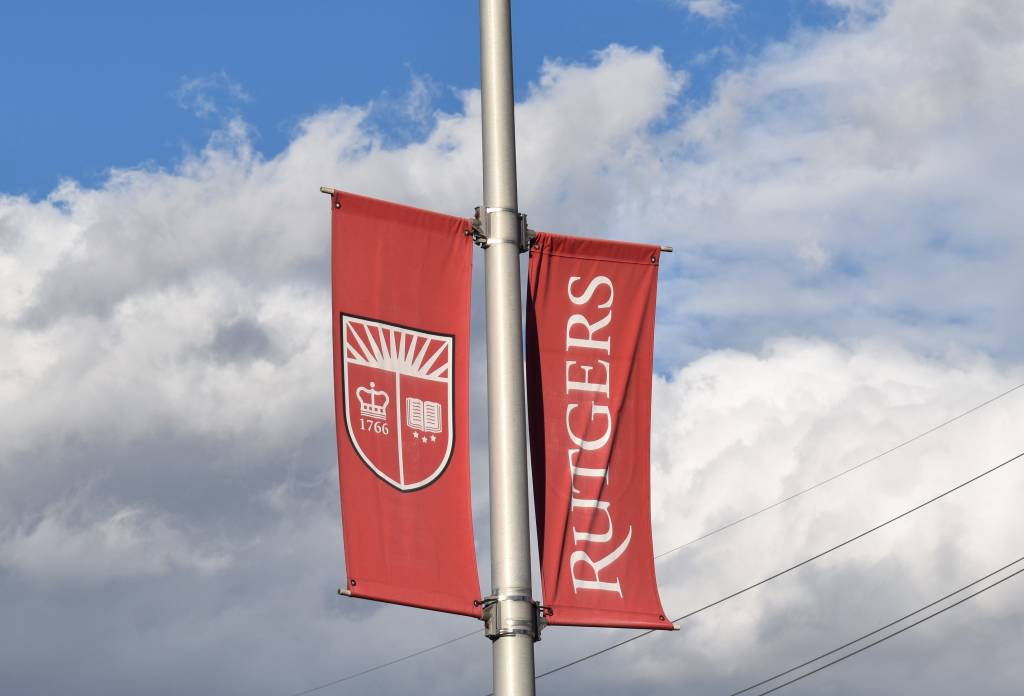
(589, 346)
(401, 279)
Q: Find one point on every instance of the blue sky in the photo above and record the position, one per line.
(840, 180)
(89, 86)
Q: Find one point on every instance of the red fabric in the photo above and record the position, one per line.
(589, 346)
(401, 286)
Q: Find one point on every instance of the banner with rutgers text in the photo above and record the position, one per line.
(589, 347)
(401, 286)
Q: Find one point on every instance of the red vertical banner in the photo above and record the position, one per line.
(401, 282)
(589, 349)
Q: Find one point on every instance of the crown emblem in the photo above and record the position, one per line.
(373, 403)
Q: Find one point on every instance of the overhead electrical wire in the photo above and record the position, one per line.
(703, 536)
(385, 664)
(840, 474)
(887, 637)
(790, 568)
(882, 628)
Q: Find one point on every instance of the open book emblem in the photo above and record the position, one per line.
(422, 415)
(398, 399)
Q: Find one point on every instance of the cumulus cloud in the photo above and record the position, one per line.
(125, 544)
(736, 431)
(843, 210)
(855, 168)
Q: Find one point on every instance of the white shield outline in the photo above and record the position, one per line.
(399, 359)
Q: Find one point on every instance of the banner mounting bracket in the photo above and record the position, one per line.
(481, 233)
(503, 615)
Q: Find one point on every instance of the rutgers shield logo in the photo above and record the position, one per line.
(398, 399)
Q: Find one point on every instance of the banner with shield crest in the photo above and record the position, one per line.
(401, 281)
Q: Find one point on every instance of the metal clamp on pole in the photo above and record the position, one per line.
(477, 230)
(481, 228)
(504, 616)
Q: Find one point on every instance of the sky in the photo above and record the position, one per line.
(840, 180)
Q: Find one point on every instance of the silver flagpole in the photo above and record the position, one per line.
(510, 613)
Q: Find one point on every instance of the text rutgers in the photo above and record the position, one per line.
(588, 423)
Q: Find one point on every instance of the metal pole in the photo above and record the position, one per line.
(512, 613)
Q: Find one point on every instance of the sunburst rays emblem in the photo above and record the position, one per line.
(398, 399)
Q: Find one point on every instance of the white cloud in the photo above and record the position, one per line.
(852, 168)
(711, 9)
(736, 431)
(129, 543)
(208, 95)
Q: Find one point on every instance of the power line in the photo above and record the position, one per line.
(880, 629)
(854, 538)
(840, 474)
(790, 568)
(703, 536)
(385, 664)
(891, 635)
